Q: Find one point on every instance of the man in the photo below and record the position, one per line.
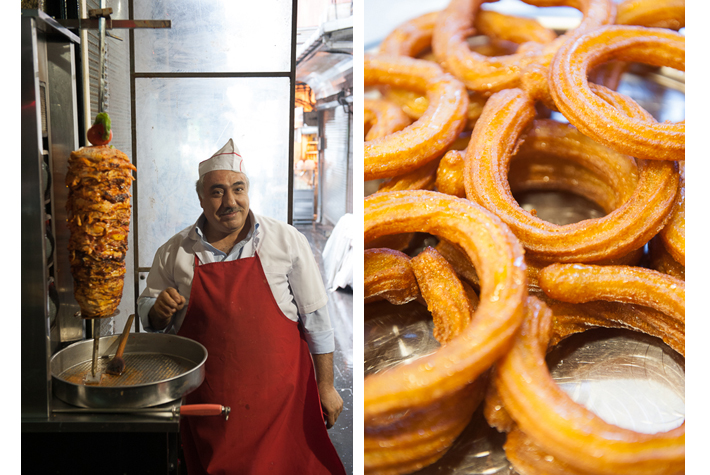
(248, 288)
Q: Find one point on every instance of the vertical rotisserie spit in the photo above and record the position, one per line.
(99, 179)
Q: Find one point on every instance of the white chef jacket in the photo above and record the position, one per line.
(289, 265)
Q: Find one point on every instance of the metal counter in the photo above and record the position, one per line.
(88, 421)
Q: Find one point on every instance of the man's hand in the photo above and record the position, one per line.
(169, 301)
(331, 402)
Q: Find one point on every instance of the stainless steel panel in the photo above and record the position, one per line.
(349, 192)
(303, 205)
(215, 36)
(47, 60)
(334, 167)
(35, 327)
(63, 139)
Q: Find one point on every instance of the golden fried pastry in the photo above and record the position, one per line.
(625, 229)
(595, 117)
(652, 13)
(389, 276)
(403, 396)
(420, 179)
(383, 118)
(414, 36)
(673, 234)
(444, 294)
(426, 139)
(490, 74)
(662, 260)
(566, 435)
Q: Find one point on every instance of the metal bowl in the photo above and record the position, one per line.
(159, 368)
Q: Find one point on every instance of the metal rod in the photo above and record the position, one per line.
(134, 158)
(251, 74)
(168, 412)
(93, 24)
(102, 59)
(292, 109)
(96, 331)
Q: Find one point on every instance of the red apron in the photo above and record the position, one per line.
(258, 364)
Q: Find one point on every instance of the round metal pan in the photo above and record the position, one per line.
(159, 368)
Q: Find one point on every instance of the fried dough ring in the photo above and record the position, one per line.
(414, 105)
(673, 234)
(444, 294)
(413, 37)
(652, 13)
(426, 139)
(449, 174)
(556, 424)
(571, 318)
(415, 439)
(596, 118)
(384, 118)
(422, 178)
(491, 74)
(405, 446)
(389, 276)
(634, 285)
(553, 155)
(393, 276)
(662, 261)
(498, 257)
(465, 270)
(625, 229)
(411, 391)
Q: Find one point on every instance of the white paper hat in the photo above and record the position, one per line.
(226, 158)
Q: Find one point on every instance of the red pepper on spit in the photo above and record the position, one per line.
(100, 133)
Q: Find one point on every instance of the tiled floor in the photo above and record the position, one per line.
(340, 309)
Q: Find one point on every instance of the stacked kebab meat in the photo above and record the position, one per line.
(99, 212)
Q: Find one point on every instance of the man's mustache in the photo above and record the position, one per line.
(230, 210)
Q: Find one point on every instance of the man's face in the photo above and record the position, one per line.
(225, 201)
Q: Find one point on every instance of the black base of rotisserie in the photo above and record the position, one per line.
(107, 453)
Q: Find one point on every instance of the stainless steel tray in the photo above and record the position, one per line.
(159, 368)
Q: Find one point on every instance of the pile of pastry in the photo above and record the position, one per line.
(461, 126)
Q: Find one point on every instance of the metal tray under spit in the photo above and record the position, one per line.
(159, 368)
